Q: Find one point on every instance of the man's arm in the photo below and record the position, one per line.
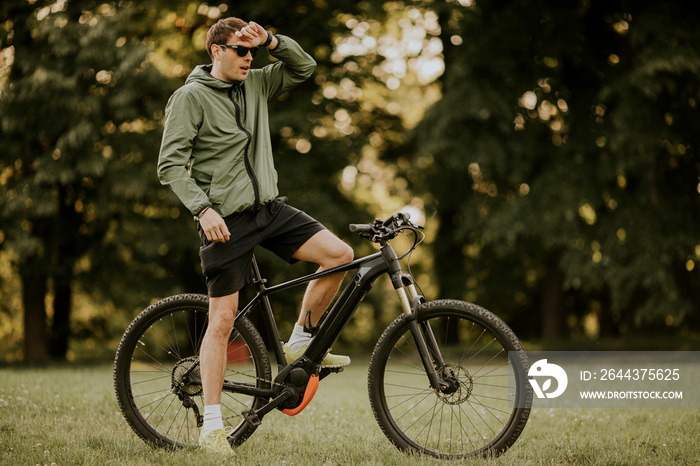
(255, 35)
(294, 66)
(183, 117)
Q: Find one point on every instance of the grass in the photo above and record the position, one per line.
(68, 415)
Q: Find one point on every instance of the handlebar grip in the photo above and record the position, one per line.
(360, 228)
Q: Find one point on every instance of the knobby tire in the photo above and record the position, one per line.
(159, 346)
(486, 413)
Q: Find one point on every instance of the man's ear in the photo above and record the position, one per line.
(215, 51)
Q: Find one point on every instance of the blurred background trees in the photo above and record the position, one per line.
(550, 147)
(568, 174)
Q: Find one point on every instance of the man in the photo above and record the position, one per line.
(216, 156)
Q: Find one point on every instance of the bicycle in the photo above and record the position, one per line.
(446, 378)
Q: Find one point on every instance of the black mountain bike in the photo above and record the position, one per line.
(447, 378)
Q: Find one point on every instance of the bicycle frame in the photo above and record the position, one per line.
(369, 268)
(452, 407)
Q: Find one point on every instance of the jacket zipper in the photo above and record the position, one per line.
(246, 160)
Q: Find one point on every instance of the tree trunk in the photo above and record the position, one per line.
(449, 260)
(64, 250)
(552, 305)
(60, 327)
(449, 267)
(36, 345)
(609, 323)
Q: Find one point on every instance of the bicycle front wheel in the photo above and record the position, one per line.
(488, 404)
(154, 361)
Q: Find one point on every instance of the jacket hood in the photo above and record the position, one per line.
(202, 74)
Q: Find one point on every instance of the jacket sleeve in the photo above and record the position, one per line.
(183, 117)
(294, 67)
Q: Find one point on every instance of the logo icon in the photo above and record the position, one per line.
(544, 369)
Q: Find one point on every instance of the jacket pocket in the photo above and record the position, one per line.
(231, 189)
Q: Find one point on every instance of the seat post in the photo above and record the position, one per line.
(257, 277)
(268, 317)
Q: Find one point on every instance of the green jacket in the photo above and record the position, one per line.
(216, 149)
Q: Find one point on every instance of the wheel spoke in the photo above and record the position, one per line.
(473, 414)
(155, 356)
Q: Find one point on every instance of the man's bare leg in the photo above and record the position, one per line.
(326, 250)
(212, 357)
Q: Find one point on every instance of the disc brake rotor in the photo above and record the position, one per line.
(462, 383)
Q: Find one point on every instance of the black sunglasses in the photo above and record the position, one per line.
(241, 51)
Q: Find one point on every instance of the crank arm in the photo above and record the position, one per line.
(254, 417)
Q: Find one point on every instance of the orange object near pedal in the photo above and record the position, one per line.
(311, 388)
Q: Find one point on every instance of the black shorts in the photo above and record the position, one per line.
(276, 226)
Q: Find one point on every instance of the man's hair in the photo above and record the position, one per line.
(220, 32)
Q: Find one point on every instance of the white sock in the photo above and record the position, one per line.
(299, 338)
(212, 419)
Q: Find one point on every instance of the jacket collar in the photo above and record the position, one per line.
(202, 74)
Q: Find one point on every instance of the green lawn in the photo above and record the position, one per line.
(68, 415)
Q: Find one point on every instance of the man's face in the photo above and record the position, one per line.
(232, 67)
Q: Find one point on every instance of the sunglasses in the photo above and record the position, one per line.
(241, 51)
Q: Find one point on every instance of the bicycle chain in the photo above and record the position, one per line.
(271, 382)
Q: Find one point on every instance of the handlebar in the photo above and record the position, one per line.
(385, 230)
(360, 228)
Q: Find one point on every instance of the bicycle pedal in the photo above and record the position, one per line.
(328, 370)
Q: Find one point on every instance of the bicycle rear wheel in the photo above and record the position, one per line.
(490, 402)
(158, 350)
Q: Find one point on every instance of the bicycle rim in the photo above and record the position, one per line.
(479, 417)
(154, 356)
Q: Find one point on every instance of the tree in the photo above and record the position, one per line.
(83, 92)
(564, 162)
(77, 123)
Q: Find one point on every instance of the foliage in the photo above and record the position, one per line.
(559, 159)
(83, 92)
(79, 125)
(564, 163)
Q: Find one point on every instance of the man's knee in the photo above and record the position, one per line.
(223, 321)
(326, 250)
(341, 254)
(347, 254)
(222, 314)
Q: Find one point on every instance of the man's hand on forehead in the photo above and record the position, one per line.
(253, 35)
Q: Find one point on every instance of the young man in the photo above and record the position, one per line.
(216, 156)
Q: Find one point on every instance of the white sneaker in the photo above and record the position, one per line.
(331, 361)
(215, 441)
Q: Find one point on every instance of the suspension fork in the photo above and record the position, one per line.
(431, 342)
(422, 333)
